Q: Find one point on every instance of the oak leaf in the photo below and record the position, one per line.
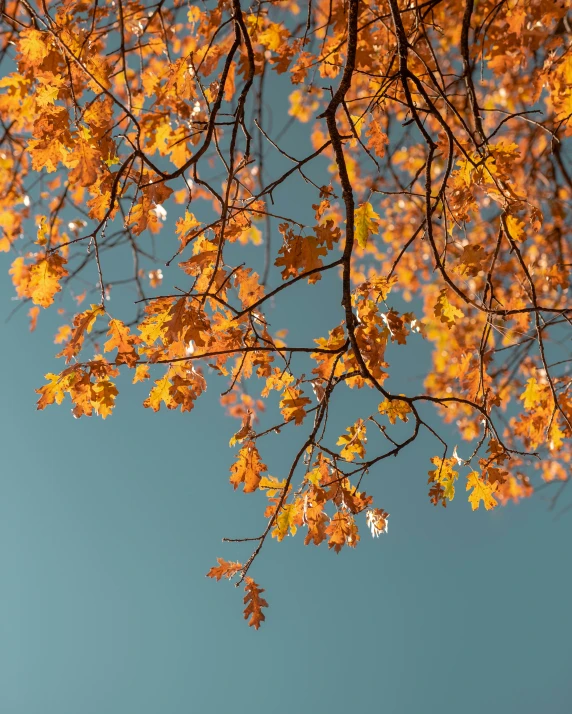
(85, 161)
(54, 391)
(443, 479)
(288, 520)
(124, 341)
(160, 394)
(342, 530)
(44, 279)
(354, 441)
(293, 405)
(248, 468)
(532, 394)
(300, 254)
(395, 409)
(103, 395)
(83, 323)
(224, 569)
(377, 139)
(314, 516)
(366, 223)
(482, 491)
(254, 603)
(472, 259)
(446, 312)
(141, 373)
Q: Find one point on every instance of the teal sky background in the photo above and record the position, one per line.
(107, 529)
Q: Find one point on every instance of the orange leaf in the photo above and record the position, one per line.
(292, 405)
(83, 322)
(224, 569)
(342, 531)
(121, 339)
(254, 603)
(248, 468)
(33, 313)
(45, 276)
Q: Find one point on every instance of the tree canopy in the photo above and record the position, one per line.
(438, 196)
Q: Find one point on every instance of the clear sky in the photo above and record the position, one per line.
(107, 529)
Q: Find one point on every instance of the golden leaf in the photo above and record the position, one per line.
(366, 223)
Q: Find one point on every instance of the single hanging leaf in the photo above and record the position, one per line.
(248, 468)
(366, 223)
(224, 569)
(254, 603)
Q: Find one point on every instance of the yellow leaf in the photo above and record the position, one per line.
(396, 408)
(54, 391)
(34, 46)
(271, 485)
(161, 392)
(287, 521)
(357, 122)
(365, 223)
(482, 491)
(446, 312)
(516, 228)
(45, 276)
(103, 395)
(354, 441)
(271, 37)
(141, 373)
(532, 394)
(444, 476)
(42, 238)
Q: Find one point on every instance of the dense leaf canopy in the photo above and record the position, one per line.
(438, 192)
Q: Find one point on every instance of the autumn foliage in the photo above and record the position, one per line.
(438, 181)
